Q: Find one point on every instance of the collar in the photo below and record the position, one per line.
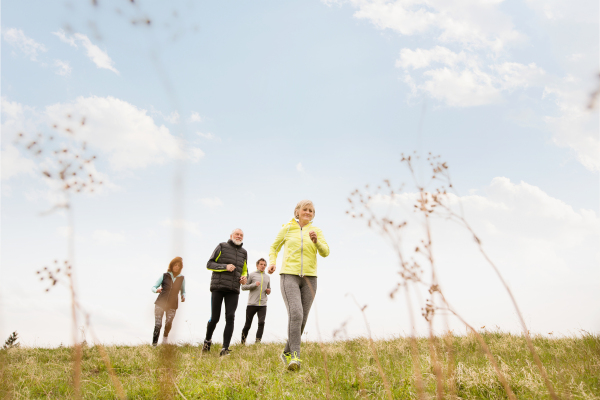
(173, 277)
(235, 245)
(298, 223)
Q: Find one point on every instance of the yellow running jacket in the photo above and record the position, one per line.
(300, 254)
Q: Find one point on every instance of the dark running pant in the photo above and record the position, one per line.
(231, 302)
(250, 311)
(158, 316)
(298, 294)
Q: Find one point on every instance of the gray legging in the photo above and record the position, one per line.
(298, 294)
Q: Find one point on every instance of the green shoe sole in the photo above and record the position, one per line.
(294, 366)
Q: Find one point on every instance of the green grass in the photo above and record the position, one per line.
(255, 371)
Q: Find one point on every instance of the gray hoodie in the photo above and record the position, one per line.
(258, 294)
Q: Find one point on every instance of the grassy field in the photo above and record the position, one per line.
(254, 371)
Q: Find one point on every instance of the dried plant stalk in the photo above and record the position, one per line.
(461, 219)
(386, 383)
(166, 371)
(411, 273)
(415, 350)
(321, 347)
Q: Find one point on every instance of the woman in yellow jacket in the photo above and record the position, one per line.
(302, 241)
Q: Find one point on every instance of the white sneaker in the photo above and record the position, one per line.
(165, 340)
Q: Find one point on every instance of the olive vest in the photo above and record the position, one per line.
(169, 297)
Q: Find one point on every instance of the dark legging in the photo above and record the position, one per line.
(231, 302)
(158, 316)
(250, 311)
(298, 294)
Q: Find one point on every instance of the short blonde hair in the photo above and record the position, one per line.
(301, 204)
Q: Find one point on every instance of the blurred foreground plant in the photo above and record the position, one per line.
(67, 169)
(417, 268)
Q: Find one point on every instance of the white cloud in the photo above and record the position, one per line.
(519, 212)
(67, 39)
(208, 136)
(194, 154)
(462, 79)
(574, 126)
(464, 88)
(211, 202)
(470, 65)
(421, 58)
(63, 67)
(122, 131)
(173, 117)
(187, 226)
(195, 117)
(577, 11)
(14, 164)
(299, 167)
(513, 75)
(94, 53)
(531, 212)
(575, 57)
(470, 23)
(104, 237)
(16, 38)
(545, 249)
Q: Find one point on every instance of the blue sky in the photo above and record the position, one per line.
(258, 105)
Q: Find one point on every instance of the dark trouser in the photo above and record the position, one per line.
(158, 316)
(231, 302)
(298, 294)
(262, 314)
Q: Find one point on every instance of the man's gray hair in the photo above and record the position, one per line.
(236, 229)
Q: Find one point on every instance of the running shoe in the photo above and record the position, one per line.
(206, 346)
(225, 352)
(285, 358)
(294, 364)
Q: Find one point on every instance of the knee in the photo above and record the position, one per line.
(261, 324)
(296, 315)
(230, 317)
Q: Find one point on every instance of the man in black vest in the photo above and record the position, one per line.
(229, 267)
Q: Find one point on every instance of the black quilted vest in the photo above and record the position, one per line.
(169, 297)
(227, 253)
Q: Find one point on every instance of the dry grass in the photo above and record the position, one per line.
(252, 372)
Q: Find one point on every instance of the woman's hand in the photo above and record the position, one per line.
(313, 236)
(272, 268)
(159, 290)
(182, 299)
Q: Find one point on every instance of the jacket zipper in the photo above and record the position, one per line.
(232, 283)
(260, 295)
(170, 288)
(301, 252)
